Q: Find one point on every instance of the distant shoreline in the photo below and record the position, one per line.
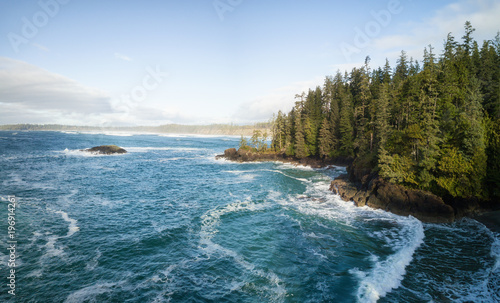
(178, 129)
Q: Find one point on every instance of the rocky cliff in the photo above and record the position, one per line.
(397, 199)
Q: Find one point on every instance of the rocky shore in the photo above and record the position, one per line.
(368, 189)
(380, 194)
(242, 155)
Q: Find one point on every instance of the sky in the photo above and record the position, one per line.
(126, 63)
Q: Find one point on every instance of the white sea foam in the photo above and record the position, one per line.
(37, 273)
(92, 264)
(51, 249)
(291, 177)
(212, 219)
(165, 160)
(139, 149)
(110, 133)
(282, 165)
(89, 293)
(387, 274)
(80, 153)
(172, 135)
(73, 228)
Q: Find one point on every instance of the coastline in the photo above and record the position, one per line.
(240, 155)
(368, 189)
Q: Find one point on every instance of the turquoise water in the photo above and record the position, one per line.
(167, 222)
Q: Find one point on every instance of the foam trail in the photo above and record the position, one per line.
(73, 228)
(387, 275)
(89, 293)
(211, 220)
(280, 172)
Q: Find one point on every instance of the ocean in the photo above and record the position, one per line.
(167, 222)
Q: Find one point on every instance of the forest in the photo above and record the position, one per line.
(432, 125)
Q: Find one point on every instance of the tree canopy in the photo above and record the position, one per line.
(433, 125)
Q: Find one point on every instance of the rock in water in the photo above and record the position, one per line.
(106, 150)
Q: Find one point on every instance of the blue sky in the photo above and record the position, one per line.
(202, 61)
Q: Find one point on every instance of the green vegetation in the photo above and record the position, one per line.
(257, 142)
(433, 125)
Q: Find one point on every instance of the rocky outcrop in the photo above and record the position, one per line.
(247, 155)
(106, 150)
(365, 188)
(397, 199)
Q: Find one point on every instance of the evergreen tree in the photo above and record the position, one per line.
(382, 118)
(326, 140)
(309, 136)
(434, 126)
(346, 128)
(300, 149)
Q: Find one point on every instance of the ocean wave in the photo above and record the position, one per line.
(81, 153)
(138, 149)
(89, 293)
(108, 133)
(69, 132)
(242, 175)
(304, 180)
(387, 274)
(212, 219)
(404, 239)
(72, 228)
(51, 249)
(92, 264)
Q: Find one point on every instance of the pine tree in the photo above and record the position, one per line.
(428, 150)
(360, 88)
(346, 129)
(309, 136)
(382, 118)
(299, 140)
(326, 140)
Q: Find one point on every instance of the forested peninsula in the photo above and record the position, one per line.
(429, 130)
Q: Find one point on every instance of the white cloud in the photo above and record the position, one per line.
(30, 93)
(483, 15)
(123, 57)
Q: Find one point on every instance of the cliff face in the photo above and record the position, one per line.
(365, 188)
(380, 194)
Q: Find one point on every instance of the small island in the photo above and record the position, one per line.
(106, 150)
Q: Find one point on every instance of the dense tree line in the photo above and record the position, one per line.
(432, 125)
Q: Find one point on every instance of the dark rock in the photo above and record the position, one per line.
(230, 153)
(106, 150)
(345, 189)
(248, 155)
(397, 199)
